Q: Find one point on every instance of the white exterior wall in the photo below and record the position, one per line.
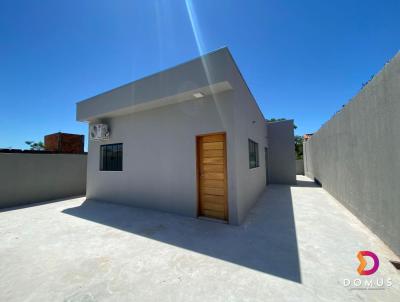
(159, 144)
(159, 156)
(250, 124)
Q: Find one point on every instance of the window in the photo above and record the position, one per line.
(111, 157)
(253, 155)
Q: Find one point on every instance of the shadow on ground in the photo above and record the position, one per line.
(36, 203)
(266, 241)
(302, 183)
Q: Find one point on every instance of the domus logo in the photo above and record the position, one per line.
(369, 264)
(363, 263)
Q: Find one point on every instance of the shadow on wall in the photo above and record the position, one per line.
(266, 241)
(318, 183)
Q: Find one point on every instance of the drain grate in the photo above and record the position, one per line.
(396, 264)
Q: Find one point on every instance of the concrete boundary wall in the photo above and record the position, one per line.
(299, 167)
(356, 155)
(32, 177)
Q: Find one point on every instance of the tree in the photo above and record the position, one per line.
(35, 145)
(298, 146)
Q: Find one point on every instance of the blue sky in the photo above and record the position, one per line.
(301, 59)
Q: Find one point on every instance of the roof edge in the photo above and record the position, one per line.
(160, 71)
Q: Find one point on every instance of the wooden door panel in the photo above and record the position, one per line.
(212, 176)
(213, 198)
(213, 168)
(212, 183)
(213, 206)
(213, 160)
(213, 146)
(212, 214)
(213, 191)
(213, 153)
(213, 138)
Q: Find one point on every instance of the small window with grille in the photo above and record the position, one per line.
(253, 155)
(111, 157)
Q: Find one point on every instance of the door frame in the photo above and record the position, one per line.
(225, 171)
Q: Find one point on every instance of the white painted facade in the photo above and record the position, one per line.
(157, 120)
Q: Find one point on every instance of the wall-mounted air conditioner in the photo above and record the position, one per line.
(99, 132)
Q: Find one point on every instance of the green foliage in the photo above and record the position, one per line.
(298, 145)
(35, 145)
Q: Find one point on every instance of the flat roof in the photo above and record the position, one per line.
(208, 74)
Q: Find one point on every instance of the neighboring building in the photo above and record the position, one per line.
(282, 155)
(307, 136)
(64, 143)
(189, 140)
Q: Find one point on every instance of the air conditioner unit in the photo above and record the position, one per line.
(99, 132)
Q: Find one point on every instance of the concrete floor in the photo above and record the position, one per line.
(297, 244)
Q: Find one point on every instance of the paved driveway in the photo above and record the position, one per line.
(297, 244)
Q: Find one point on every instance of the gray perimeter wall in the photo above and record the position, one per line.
(29, 178)
(299, 167)
(281, 152)
(356, 155)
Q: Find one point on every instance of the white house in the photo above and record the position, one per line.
(189, 140)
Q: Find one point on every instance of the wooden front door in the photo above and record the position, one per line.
(212, 176)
